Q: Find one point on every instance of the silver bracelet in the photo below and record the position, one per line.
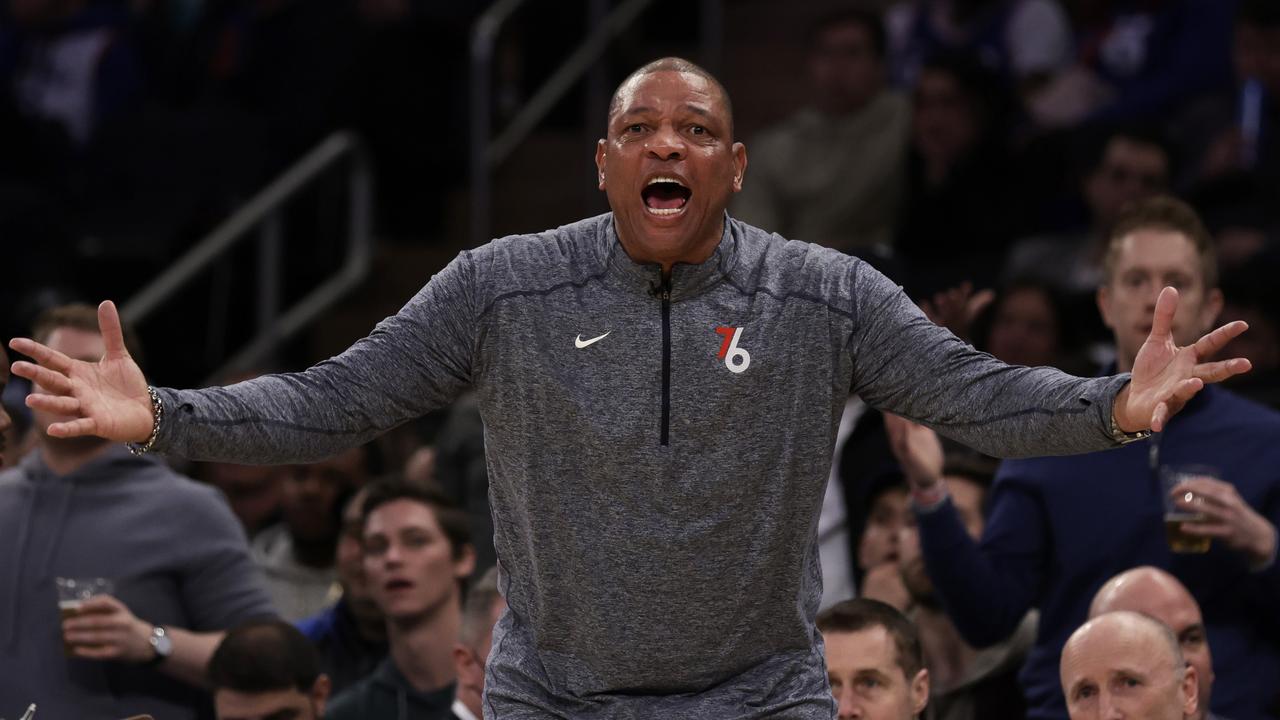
(157, 411)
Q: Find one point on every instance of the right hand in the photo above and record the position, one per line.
(957, 309)
(107, 398)
(917, 449)
(884, 583)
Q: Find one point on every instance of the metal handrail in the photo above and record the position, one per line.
(487, 153)
(262, 213)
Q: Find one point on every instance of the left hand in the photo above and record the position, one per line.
(957, 308)
(1166, 376)
(1228, 518)
(105, 629)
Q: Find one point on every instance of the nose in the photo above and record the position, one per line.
(849, 707)
(391, 556)
(1109, 709)
(665, 143)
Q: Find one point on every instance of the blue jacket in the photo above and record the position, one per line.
(1060, 527)
(345, 656)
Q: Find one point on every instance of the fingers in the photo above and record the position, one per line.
(59, 405)
(51, 359)
(1159, 417)
(1209, 345)
(1218, 371)
(96, 652)
(74, 428)
(1213, 530)
(50, 380)
(1166, 307)
(109, 326)
(979, 302)
(1182, 392)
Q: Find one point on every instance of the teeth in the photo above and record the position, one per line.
(666, 211)
(662, 179)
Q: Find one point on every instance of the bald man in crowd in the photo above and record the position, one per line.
(1159, 595)
(1125, 664)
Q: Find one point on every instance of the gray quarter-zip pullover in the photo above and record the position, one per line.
(657, 452)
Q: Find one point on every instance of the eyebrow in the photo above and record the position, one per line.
(641, 110)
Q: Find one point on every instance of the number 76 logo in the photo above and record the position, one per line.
(735, 358)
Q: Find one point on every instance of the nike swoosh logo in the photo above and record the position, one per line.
(579, 343)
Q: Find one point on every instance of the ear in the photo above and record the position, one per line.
(465, 564)
(739, 165)
(462, 660)
(1211, 309)
(600, 163)
(1104, 304)
(1190, 692)
(320, 690)
(919, 692)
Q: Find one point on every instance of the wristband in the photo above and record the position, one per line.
(157, 411)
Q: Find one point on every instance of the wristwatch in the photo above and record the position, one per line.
(1123, 438)
(161, 643)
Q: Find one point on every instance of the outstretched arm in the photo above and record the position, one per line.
(412, 362)
(907, 365)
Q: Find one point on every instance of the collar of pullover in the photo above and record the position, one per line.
(686, 280)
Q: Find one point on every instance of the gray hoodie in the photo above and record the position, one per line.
(657, 451)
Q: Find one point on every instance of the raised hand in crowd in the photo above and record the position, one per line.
(918, 451)
(957, 308)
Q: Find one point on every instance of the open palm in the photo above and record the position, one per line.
(1166, 376)
(107, 398)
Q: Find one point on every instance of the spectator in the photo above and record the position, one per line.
(1060, 527)
(297, 556)
(1124, 664)
(1026, 41)
(1158, 595)
(417, 552)
(350, 635)
(253, 491)
(1132, 164)
(833, 173)
(1138, 61)
(266, 670)
(873, 661)
(1027, 324)
(81, 506)
(483, 608)
(69, 65)
(959, 174)
(965, 683)
(878, 546)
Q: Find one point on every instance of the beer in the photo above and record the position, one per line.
(1180, 541)
(68, 609)
(72, 594)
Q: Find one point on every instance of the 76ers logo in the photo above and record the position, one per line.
(735, 358)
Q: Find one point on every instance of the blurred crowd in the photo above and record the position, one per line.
(1032, 171)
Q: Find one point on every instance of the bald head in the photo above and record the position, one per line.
(1159, 595)
(1127, 662)
(1145, 590)
(672, 64)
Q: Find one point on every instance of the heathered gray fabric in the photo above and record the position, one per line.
(635, 570)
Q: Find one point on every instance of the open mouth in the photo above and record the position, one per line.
(665, 195)
(397, 585)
